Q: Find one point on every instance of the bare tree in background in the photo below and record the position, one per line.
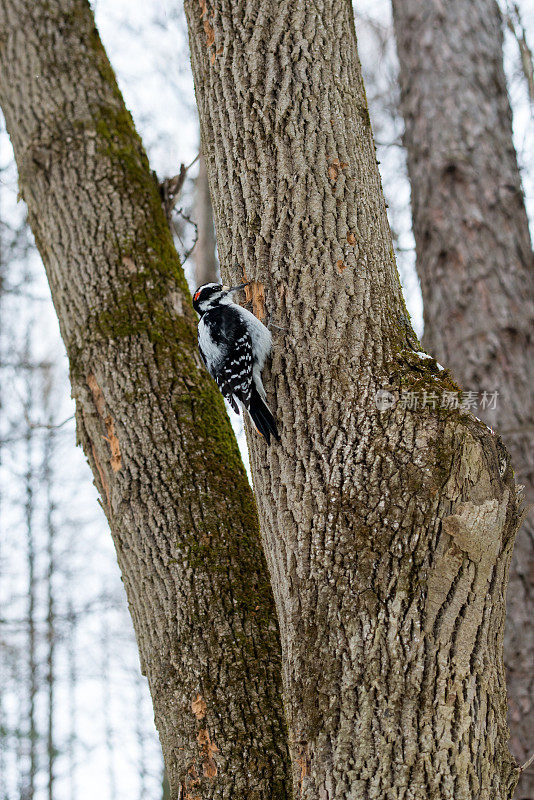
(4, 732)
(106, 705)
(388, 530)
(32, 677)
(152, 423)
(72, 681)
(475, 262)
(206, 265)
(140, 735)
(50, 577)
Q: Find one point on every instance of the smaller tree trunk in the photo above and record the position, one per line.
(206, 264)
(32, 666)
(107, 720)
(51, 633)
(72, 685)
(140, 735)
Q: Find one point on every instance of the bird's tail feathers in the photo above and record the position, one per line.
(262, 417)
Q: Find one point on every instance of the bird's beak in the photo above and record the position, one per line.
(230, 289)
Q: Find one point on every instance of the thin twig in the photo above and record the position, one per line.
(171, 188)
(44, 427)
(517, 29)
(526, 765)
(187, 253)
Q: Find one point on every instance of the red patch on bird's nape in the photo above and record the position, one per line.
(197, 295)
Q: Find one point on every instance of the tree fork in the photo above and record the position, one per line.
(151, 422)
(388, 533)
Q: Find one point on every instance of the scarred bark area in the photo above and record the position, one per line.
(474, 259)
(150, 420)
(388, 534)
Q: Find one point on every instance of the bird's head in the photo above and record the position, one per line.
(211, 295)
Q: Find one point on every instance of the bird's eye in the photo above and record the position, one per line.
(195, 298)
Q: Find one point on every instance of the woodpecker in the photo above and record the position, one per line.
(234, 344)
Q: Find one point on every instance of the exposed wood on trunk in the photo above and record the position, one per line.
(388, 533)
(177, 498)
(475, 262)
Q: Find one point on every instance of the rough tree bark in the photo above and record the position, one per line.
(206, 266)
(474, 259)
(150, 420)
(388, 533)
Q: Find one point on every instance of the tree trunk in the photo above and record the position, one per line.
(51, 622)
(474, 259)
(140, 735)
(206, 266)
(150, 420)
(388, 532)
(107, 712)
(32, 685)
(72, 700)
(4, 724)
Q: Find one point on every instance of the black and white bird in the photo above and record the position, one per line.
(234, 344)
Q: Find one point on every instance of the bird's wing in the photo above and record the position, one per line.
(235, 374)
(229, 336)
